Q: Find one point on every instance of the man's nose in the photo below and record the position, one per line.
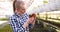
(23, 10)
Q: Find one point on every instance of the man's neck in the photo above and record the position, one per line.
(19, 14)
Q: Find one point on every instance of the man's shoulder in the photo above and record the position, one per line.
(12, 16)
(25, 14)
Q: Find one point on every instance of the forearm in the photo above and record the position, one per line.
(33, 23)
(25, 24)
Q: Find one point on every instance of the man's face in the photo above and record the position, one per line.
(21, 9)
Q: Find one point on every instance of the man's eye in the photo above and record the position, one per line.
(23, 9)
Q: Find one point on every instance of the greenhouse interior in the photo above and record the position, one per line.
(47, 15)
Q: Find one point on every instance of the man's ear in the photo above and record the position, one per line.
(16, 10)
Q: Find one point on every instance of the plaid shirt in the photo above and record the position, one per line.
(16, 22)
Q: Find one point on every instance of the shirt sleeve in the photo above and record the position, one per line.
(15, 26)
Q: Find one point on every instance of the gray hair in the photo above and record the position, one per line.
(16, 4)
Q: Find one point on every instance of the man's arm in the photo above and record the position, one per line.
(30, 21)
(16, 26)
(26, 23)
(33, 16)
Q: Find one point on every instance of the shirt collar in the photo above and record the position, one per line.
(19, 15)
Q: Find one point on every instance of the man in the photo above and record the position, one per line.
(20, 21)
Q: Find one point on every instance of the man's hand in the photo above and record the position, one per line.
(32, 18)
(29, 20)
